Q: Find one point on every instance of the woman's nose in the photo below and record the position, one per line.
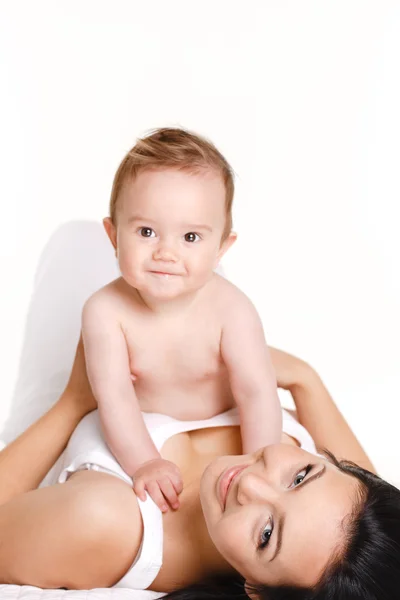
(253, 488)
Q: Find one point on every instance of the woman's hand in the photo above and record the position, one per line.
(290, 371)
(78, 387)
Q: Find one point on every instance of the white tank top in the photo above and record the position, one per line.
(87, 449)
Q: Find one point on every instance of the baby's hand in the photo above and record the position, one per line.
(162, 480)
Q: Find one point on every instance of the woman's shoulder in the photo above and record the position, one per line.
(107, 514)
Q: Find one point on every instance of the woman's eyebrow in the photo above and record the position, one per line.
(281, 520)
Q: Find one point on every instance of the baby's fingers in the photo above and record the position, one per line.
(169, 492)
(177, 482)
(154, 490)
(139, 488)
(176, 479)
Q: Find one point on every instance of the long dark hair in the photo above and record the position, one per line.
(367, 569)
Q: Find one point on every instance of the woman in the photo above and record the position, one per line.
(290, 524)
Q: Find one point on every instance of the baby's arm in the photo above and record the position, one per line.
(252, 377)
(107, 362)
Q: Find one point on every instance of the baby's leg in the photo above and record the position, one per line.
(82, 534)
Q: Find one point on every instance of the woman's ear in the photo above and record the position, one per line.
(250, 591)
(111, 231)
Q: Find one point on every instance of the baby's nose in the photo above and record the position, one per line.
(166, 253)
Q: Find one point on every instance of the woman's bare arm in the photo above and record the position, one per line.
(316, 410)
(25, 462)
(96, 516)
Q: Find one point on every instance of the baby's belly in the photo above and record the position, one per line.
(202, 400)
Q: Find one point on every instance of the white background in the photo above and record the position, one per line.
(302, 98)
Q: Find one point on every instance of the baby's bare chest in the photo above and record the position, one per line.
(177, 367)
(184, 352)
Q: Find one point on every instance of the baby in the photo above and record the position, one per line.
(170, 335)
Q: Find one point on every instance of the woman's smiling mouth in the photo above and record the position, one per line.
(225, 480)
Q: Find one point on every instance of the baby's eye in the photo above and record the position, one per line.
(146, 232)
(191, 237)
(301, 475)
(265, 536)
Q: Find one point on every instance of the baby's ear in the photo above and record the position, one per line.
(111, 231)
(226, 244)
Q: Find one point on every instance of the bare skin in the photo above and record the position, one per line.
(164, 337)
(96, 515)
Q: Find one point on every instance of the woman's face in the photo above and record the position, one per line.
(281, 517)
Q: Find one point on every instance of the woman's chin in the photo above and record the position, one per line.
(208, 500)
(208, 483)
(209, 497)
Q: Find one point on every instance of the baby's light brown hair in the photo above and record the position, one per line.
(174, 148)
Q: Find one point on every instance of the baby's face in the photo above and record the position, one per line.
(169, 229)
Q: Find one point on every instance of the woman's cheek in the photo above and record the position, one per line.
(230, 536)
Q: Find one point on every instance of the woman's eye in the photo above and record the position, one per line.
(191, 237)
(265, 536)
(301, 475)
(146, 232)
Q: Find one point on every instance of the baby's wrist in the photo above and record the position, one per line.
(146, 463)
